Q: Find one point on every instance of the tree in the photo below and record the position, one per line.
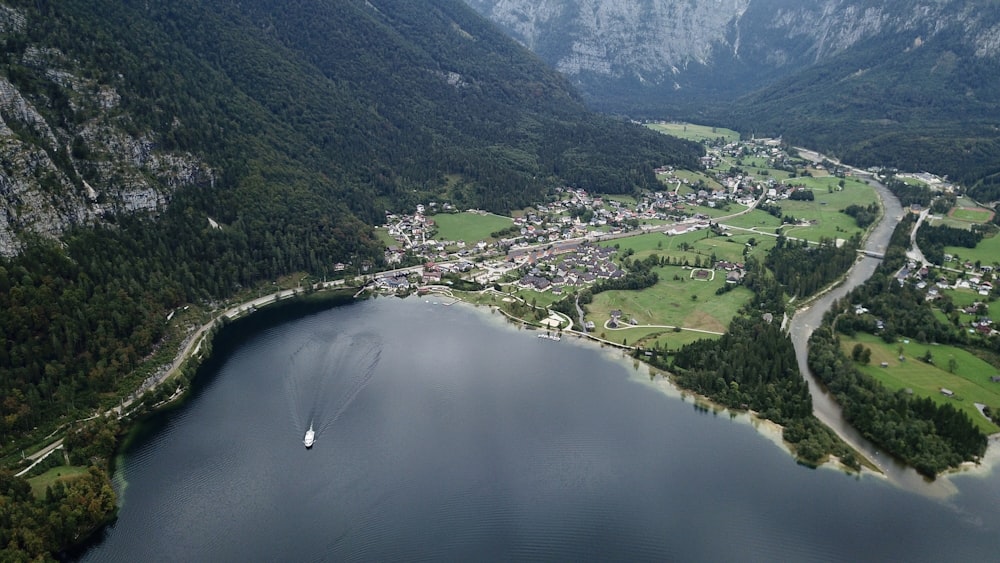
(856, 352)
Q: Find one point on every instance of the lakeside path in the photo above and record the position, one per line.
(190, 348)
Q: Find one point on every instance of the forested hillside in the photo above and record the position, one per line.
(893, 101)
(158, 153)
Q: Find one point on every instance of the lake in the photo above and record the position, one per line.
(444, 433)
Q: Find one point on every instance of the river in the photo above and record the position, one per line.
(448, 434)
(808, 319)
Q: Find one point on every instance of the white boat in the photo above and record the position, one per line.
(310, 438)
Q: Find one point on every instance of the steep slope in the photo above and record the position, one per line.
(665, 53)
(183, 150)
(379, 99)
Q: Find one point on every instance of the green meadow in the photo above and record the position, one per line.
(825, 210)
(676, 300)
(662, 338)
(63, 473)
(469, 227)
(695, 133)
(967, 376)
(986, 252)
(756, 219)
(620, 198)
(698, 245)
(383, 236)
(692, 178)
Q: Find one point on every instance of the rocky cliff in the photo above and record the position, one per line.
(733, 45)
(68, 154)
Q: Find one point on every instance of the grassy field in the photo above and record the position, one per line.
(756, 219)
(692, 178)
(621, 198)
(62, 473)
(383, 235)
(696, 133)
(825, 209)
(987, 251)
(469, 227)
(680, 302)
(653, 337)
(725, 248)
(714, 212)
(753, 165)
(970, 380)
(912, 181)
(971, 215)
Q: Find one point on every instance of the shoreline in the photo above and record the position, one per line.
(660, 381)
(942, 487)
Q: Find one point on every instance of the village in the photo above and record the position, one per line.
(551, 246)
(564, 245)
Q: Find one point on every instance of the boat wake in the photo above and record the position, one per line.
(325, 375)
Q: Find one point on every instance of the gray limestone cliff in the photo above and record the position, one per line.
(682, 43)
(56, 173)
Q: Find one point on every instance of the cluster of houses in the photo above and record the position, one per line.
(430, 274)
(568, 266)
(921, 278)
(577, 214)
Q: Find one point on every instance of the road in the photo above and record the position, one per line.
(40, 456)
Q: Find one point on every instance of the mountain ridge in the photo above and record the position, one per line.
(902, 84)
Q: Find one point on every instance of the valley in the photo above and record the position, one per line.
(169, 169)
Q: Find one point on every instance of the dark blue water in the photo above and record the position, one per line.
(445, 434)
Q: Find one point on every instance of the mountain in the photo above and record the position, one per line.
(371, 104)
(904, 83)
(160, 153)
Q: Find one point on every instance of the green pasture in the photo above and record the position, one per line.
(693, 176)
(756, 219)
(620, 198)
(646, 337)
(825, 209)
(725, 248)
(696, 133)
(986, 252)
(962, 298)
(912, 181)
(714, 212)
(683, 302)
(938, 220)
(469, 227)
(540, 298)
(383, 236)
(970, 380)
(62, 473)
